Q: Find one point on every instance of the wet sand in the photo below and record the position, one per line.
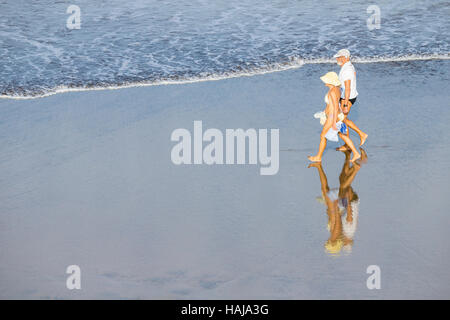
(87, 179)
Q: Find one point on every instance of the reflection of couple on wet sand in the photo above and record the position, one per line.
(342, 205)
(339, 100)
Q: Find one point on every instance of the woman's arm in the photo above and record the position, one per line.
(334, 104)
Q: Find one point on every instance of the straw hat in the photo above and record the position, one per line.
(334, 247)
(331, 78)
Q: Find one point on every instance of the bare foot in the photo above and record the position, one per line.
(343, 148)
(363, 155)
(363, 138)
(314, 159)
(356, 156)
(315, 165)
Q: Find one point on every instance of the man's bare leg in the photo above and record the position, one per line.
(345, 147)
(362, 135)
(363, 155)
(350, 124)
(349, 142)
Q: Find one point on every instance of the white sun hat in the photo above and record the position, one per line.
(342, 53)
(331, 78)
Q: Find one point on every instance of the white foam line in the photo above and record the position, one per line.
(276, 67)
(405, 58)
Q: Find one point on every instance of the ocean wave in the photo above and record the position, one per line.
(292, 63)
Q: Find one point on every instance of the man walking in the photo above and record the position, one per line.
(347, 77)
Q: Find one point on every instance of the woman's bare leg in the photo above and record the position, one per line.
(322, 145)
(323, 142)
(323, 178)
(349, 142)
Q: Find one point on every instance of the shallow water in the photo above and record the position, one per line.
(146, 41)
(86, 179)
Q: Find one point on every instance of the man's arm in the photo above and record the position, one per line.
(347, 93)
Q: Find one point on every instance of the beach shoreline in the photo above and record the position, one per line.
(87, 179)
(294, 63)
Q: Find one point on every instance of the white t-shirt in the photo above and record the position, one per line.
(348, 73)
